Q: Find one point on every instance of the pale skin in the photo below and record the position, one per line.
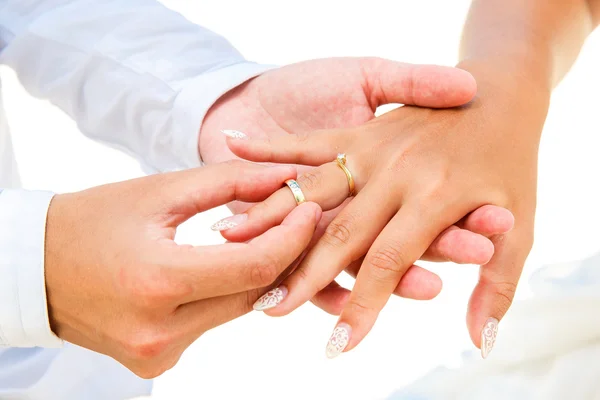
(418, 171)
(344, 93)
(130, 292)
(142, 299)
(118, 284)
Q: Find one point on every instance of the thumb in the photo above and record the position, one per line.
(420, 85)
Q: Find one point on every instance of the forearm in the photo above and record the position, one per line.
(519, 50)
(131, 73)
(534, 40)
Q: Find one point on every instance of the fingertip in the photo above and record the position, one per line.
(506, 221)
(318, 213)
(490, 220)
(468, 89)
(419, 284)
(499, 219)
(444, 86)
(434, 287)
(281, 173)
(332, 299)
(244, 148)
(462, 246)
(289, 171)
(461, 88)
(487, 252)
(237, 234)
(308, 210)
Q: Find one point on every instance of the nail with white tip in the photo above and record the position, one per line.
(488, 336)
(229, 222)
(338, 341)
(234, 134)
(270, 299)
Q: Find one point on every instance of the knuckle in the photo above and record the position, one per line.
(400, 162)
(151, 370)
(148, 371)
(358, 304)
(337, 233)
(264, 272)
(504, 293)
(406, 155)
(436, 192)
(150, 286)
(147, 345)
(311, 180)
(304, 278)
(387, 260)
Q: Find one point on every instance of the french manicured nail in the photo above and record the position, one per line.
(270, 299)
(229, 222)
(234, 134)
(488, 336)
(338, 341)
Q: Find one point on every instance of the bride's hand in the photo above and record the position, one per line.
(344, 93)
(417, 172)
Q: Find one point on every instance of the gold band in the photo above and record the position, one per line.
(296, 191)
(341, 162)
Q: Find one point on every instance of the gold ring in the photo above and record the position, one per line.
(341, 162)
(296, 191)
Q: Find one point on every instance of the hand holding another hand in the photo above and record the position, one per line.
(417, 172)
(337, 93)
(117, 283)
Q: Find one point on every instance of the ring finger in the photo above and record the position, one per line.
(326, 185)
(345, 240)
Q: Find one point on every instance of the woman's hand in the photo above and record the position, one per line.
(345, 93)
(117, 283)
(417, 172)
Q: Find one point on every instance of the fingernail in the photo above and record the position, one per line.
(338, 341)
(488, 336)
(229, 222)
(270, 299)
(234, 134)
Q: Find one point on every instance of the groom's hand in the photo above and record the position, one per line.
(117, 283)
(345, 92)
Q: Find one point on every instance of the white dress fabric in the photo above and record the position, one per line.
(548, 347)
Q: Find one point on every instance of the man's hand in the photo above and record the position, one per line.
(343, 93)
(118, 284)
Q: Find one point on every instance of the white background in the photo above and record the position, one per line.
(259, 357)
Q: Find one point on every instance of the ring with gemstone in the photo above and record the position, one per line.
(296, 191)
(341, 162)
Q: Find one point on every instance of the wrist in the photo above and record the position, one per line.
(517, 88)
(510, 75)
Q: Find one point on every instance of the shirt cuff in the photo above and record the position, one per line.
(196, 98)
(24, 312)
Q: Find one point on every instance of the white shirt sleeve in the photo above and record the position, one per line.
(132, 73)
(24, 314)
